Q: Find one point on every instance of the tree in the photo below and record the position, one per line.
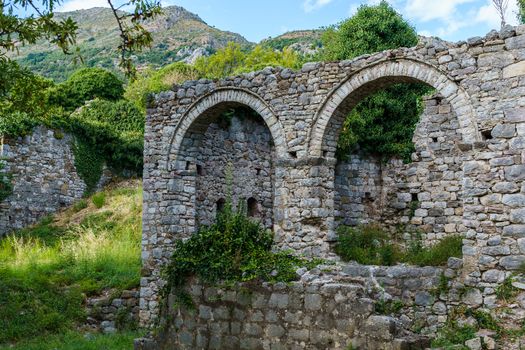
(84, 85)
(521, 11)
(501, 8)
(134, 37)
(16, 30)
(384, 122)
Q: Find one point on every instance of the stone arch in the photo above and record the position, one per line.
(375, 77)
(198, 110)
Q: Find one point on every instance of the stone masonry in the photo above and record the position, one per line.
(44, 177)
(467, 175)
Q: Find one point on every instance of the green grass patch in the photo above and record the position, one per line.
(453, 335)
(99, 199)
(47, 270)
(371, 245)
(78, 341)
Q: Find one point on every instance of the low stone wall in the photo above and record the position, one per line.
(109, 312)
(329, 307)
(44, 177)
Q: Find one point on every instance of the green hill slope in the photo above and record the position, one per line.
(178, 35)
(47, 271)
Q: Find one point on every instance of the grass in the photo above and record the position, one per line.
(72, 340)
(371, 245)
(47, 271)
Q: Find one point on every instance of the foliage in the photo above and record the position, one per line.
(6, 185)
(453, 334)
(113, 130)
(18, 30)
(74, 340)
(506, 291)
(86, 84)
(231, 60)
(436, 255)
(484, 319)
(79, 205)
(46, 270)
(388, 307)
(133, 36)
(371, 245)
(233, 249)
(521, 11)
(88, 163)
(150, 82)
(382, 123)
(99, 199)
(22, 100)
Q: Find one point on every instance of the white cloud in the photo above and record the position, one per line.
(487, 14)
(311, 5)
(74, 5)
(425, 10)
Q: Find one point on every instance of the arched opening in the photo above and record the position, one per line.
(231, 152)
(423, 196)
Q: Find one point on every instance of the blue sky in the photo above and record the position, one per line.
(258, 19)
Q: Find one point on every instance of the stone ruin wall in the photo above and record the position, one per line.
(421, 196)
(468, 173)
(234, 160)
(44, 177)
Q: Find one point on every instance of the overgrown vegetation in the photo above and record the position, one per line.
(453, 334)
(234, 249)
(371, 245)
(47, 270)
(383, 123)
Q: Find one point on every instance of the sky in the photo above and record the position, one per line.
(452, 20)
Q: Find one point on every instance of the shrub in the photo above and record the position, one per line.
(382, 123)
(436, 255)
(84, 85)
(371, 245)
(368, 245)
(78, 206)
(233, 249)
(88, 163)
(99, 199)
(452, 334)
(150, 82)
(114, 130)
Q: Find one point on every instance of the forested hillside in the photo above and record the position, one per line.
(178, 35)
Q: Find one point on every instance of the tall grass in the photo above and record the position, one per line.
(47, 271)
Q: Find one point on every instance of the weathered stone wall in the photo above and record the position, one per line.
(44, 178)
(470, 180)
(421, 196)
(330, 307)
(110, 312)
(234, 160)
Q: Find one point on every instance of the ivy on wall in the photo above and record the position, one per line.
(89, 164)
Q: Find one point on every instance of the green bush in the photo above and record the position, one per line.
(454, 335)
(368, 245)
(114, 130)
(382, 123)
(84, 85)
(79, 205)
(371, 245)
(233, 249)
(437, 254)
(150, 82)
(99, 199)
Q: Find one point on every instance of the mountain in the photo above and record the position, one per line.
(177, 35)
(306, 42)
